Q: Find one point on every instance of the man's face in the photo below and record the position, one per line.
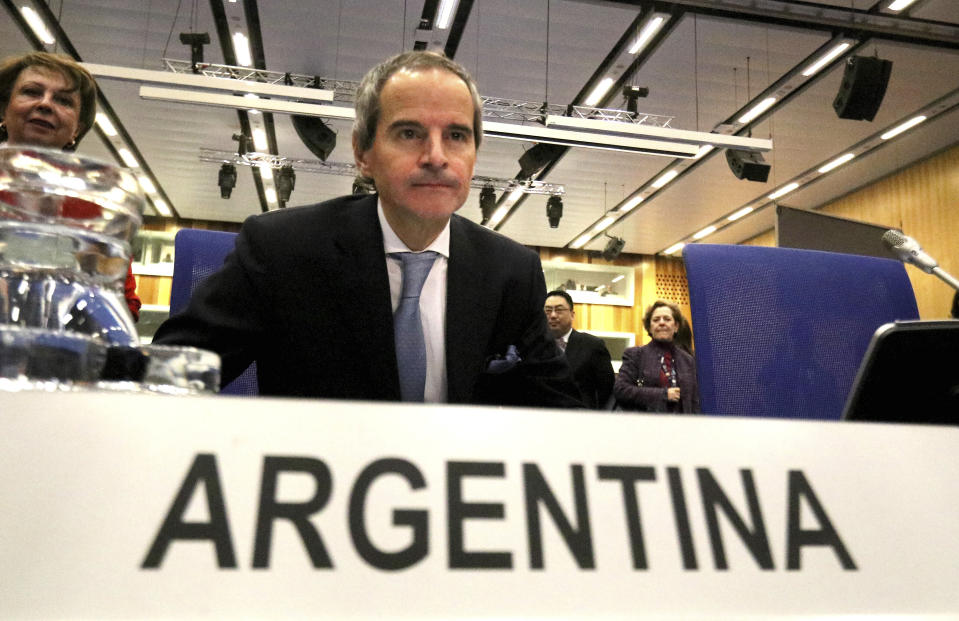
(559, 315)
(423, 151)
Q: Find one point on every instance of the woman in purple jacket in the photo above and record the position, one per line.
(659, 376)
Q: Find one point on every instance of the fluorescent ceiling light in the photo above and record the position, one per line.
(703, 150)
(665, 178)
(786, 189)
(899, 5)
(758, 109)
(259, 140)
(162, 208)
(674, 248)
(602, 224)
(514, 195)
(270, 194)
(647, 32)
(745, 211)
(581, 240)
(147, 184)
(826, 58)
(895, 131)
(497, 217)
(241, 45)
(618, 278)
(709, 230)
(839, 161)
(37, 25)
(684, 136)
(104, 122)
(628, 205)
(128, 158)
(445, 14)
(266, 172)
(599, 91)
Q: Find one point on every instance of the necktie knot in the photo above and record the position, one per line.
(416, 267)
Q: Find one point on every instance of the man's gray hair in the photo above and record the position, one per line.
(367, 101)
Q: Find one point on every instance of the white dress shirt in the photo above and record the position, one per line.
(432, 303)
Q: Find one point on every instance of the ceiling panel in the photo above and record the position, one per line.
(705, 70)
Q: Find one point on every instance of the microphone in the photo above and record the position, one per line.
(909, 251)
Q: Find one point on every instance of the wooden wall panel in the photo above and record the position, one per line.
(154, 289)
(654, 278)
(923, 201)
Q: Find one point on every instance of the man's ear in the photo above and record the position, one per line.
(360, 157)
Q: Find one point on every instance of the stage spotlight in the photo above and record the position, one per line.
(244, 144)
(284, 183)
(487, 202)
(632, 93)
(554, 210)
(535, 158)
(196, 41)
(747, 165)
(613, 248)
(226, 179)
(362, 185)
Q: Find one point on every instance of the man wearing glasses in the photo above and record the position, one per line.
(589, 360)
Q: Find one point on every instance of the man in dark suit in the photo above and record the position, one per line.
(312, 293)
(589, 360)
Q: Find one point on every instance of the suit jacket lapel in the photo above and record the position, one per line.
(574, 349)
(470, 316)
(365, 291)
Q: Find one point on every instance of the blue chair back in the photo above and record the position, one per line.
(197, 255)
(781, 332)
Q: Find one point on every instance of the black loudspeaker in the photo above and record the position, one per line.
(863, 87)
(314, 133)
(747, 165)
(537, 157)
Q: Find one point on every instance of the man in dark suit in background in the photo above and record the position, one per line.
(589, 360)
(321, 296)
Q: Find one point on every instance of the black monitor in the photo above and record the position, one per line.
(814, 230)
(909, 374)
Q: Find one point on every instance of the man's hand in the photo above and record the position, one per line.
(672, 394)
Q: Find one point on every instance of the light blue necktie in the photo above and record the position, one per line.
(407, 328)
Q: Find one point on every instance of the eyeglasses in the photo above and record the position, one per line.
(555, 309)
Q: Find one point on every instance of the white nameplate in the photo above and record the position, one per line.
(132, 506)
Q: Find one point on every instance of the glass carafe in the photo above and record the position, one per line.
(66, 223)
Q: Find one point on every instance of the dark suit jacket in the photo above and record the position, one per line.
(306, 294)
(637, 385)
(592, 368)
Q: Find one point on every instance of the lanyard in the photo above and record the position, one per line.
(671, 372)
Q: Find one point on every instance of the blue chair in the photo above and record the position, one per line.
(197, 255)
(781, 332)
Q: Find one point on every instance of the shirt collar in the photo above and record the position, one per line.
(393, 243)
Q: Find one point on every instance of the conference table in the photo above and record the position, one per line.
(121, 505)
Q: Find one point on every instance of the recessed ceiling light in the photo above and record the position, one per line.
(839, 161)
(786, 189)
(758, 109)
(599, 91)
(895, 131)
